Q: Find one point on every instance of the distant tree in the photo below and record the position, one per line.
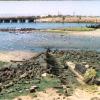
(79, 16)
(63, 18)
(49, 15)
(38, 16)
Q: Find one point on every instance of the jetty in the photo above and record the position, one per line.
(18, 19)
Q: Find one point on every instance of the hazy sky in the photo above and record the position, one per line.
(50, 7)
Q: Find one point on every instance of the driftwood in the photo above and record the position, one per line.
(15, 61)
(21, 61)
(37, 55)
(71, 66)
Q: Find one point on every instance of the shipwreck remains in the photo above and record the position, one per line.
(51, 62)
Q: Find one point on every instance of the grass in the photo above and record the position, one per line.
(78, 29)
(55, 31)
(64, 30)
(2, 63)
(23, 86)
(98, 73)
(48, 83)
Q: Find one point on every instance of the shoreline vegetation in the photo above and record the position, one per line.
(78, 31)
(56, 30)
(63, 30)
(75, 31)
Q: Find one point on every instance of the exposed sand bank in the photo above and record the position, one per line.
(91, 33)
(95, 33)
(16, 55)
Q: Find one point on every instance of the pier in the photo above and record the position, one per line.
(19, 19)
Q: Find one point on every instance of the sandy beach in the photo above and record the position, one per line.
(51, 94)
(16, 55)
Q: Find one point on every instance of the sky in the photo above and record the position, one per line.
(34, 8)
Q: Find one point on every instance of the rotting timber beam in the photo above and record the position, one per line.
(34, 57)
(71, 67)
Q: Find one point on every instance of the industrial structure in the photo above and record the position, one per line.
(18, 19)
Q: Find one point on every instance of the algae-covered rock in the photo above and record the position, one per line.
(89, 76)
(90, 73)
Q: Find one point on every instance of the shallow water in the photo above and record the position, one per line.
(42, 25)
(38, 41)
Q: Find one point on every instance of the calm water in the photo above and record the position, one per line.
(38, 41)
(42, 25)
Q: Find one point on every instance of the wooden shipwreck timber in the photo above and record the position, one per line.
(66, 66)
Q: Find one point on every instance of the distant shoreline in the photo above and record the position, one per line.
(69, 19)
(50, 19)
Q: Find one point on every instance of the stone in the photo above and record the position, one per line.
(19, 99)
(97, 81)
(64, 97)
(0, 87)
(44, 75)
(33, 88)
(23, 75)
(8, 85)
(80, 68)
(86, 66)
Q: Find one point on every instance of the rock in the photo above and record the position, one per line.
(20, 91)
(86, 66)
(64, 97)
(89, 76)
(80, 68)
(58, 87)
(0, 87)
(84, 63)
(9, 85)
(33, 88)
(23, 75)
(65, 66)
(97, 81)
(44, 75)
